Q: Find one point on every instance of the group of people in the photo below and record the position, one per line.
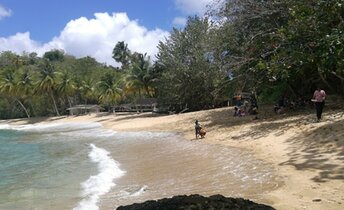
(318, 98)
(246, 107)
(284, 102)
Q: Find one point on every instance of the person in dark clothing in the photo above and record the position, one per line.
(197, 128)
(254, 105)
(280, 106)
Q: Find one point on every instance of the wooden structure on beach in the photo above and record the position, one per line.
(141, 105)
(84, 109)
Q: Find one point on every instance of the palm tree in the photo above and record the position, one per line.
(13, 89)
(122, 54)
(140, 76)
(66, 87)
(87, 89)
(108, 89)
(47, 83)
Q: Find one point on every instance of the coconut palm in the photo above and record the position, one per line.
(47, 82)
(13, 89)
(87, 89)
(108, 89)
(121, 54)
(66, 87)
(140, 77)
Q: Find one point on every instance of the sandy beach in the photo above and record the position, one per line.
(308, 156)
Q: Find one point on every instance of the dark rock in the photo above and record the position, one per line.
(197, 202)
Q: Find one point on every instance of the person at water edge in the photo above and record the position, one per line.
(199, 130)
(319, 101)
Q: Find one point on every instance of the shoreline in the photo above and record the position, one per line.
(307, 156)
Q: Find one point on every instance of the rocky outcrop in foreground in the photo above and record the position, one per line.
(197, 202)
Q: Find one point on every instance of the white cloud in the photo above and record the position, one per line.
(4, 12)
(193, 7)
(18, 43)
(92, 37)
(179, 21)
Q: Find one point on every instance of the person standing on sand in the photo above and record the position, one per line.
(197, 128)
(319, 100)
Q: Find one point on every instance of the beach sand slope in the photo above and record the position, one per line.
(308, 156)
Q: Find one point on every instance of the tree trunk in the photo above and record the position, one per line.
(147, 90)
(69, 102)
(55, 106)
(341, 81)
(324, 80)
(22, 105)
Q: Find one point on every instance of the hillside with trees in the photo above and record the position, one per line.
(268, 47)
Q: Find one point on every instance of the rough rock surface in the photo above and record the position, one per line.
(197, 202)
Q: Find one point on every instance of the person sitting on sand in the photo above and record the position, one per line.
(239, 111)
(202, 132)
(280, 106)
(236, 111)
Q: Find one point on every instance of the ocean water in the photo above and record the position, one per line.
(54, 166)
(83, 166)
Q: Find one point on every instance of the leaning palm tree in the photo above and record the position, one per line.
(47, 82)
(13, 89)
(25, 86)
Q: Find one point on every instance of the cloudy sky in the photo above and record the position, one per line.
(91, 27)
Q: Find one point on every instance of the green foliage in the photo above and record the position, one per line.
(297, 43)
(34, 86)
(189, 72)
(109, 90)
(272, 47)
(270, 94)
(122, 54)
(54, 55)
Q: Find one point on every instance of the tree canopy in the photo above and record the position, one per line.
(269, 47)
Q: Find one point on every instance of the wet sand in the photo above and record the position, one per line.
(307, 156)
(160, 164)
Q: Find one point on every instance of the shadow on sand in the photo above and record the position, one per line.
(316, 146)
(321, 149)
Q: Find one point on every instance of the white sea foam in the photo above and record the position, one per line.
(101, 183)
(140, 191)
(4, 126)
(94, 133)
(51, 127)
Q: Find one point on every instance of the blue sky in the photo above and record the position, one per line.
(91, 27)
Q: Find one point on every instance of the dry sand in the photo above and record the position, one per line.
(308, 156)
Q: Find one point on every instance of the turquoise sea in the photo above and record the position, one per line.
(55, 166)
(83, 166)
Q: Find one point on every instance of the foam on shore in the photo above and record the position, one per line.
(51, 127)
(100, 184)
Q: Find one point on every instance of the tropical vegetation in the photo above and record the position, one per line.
(269, 47)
